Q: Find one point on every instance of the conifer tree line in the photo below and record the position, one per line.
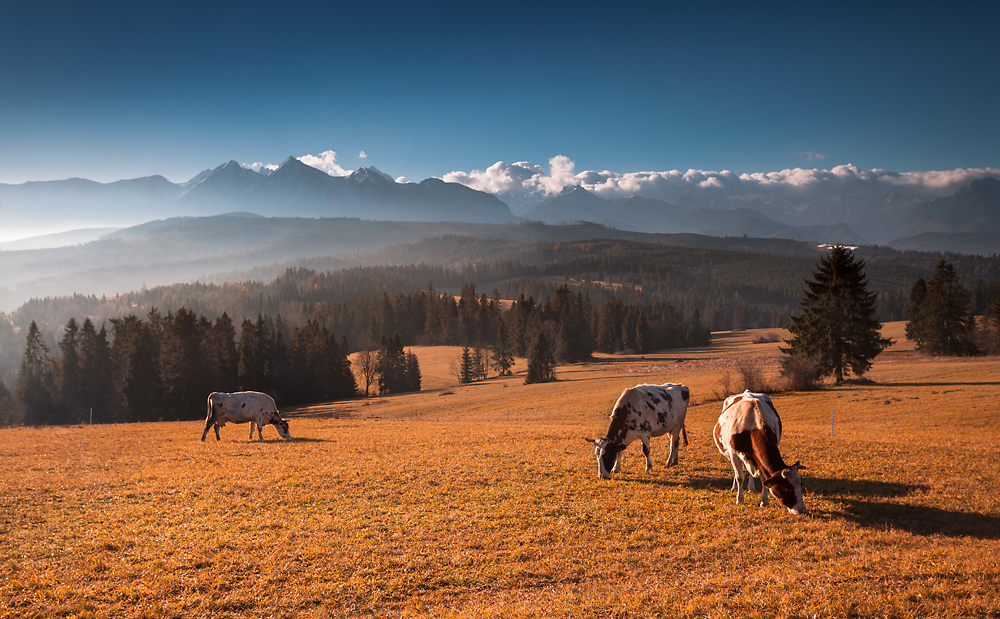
(164, 366)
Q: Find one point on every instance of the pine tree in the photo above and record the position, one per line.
(135, 352)
(541, 361)
(914, 325)
(185, 366)
(465, 370)
(69, 374)
(837, 326)
(941, 320)
(223, 342)
(95, 367)
(502, 359)
(36, 384)
(413, 377)
(609, 326)
(391, 365)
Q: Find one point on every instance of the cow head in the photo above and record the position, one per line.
(786, 486)
(280, 425)
(607, 454)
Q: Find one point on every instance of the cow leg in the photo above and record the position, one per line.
(734, 460)
(645, 452)
(675, 444)
(260, 434)
(208, 424)
(217, 433)
(252, 424)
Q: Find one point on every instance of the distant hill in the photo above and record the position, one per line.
(185, 249)
(648, 215)
(842, 215)
(973, 209)
(293, 189)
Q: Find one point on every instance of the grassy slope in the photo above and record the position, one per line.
(464, 512)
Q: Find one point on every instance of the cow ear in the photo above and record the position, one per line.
(591, 440)
(797, 465)
(773, 479)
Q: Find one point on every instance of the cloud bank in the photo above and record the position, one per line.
(529, 182)
(524, 184)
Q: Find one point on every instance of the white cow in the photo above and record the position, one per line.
(257, 408)
(642, 412)
(747, 434)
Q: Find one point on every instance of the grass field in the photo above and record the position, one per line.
(483, 500)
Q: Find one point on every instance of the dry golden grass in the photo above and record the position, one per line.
(487, 503)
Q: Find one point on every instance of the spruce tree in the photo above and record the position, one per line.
(837, 326)
(502, 358)
(465, 371)
(942, 323)
(95, 367)
(69, 374)
(541, 361)
(413, 377)
(36, 384)
(391, 365)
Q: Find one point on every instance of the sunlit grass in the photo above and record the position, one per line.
(482, 500)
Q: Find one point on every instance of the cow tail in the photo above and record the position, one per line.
(684, 434)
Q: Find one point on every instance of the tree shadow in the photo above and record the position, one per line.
(860, 499)
(921, 520)
(858, 488)
(861, 503)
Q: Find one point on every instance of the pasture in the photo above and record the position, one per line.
(483, 500)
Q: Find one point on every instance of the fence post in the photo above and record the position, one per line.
(831, 422)
(91, 415)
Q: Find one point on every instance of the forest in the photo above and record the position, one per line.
(154, 353)
(162, 366)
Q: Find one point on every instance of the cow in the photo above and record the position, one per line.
(642, 412)
(257, 408)
(747, 434)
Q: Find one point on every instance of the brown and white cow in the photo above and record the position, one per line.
(747, 434)
(642, 412)
(257, 408)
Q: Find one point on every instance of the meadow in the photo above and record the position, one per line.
(483, 500)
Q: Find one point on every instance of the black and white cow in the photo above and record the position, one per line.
(747, 434)
(257, 408)
(642, 412)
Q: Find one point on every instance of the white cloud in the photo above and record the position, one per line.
(524, 183)
(362, 155)
(326, 161)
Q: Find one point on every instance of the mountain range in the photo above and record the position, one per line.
(968, 220)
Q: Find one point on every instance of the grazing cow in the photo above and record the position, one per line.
(747, 434)
(642, 412)
(257, 408)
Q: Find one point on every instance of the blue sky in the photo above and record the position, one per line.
(111, 90)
